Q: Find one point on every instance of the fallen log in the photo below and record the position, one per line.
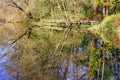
(86, 22)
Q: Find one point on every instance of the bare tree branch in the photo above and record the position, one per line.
(29, 14)
(14, 4)
(19, 37)
(29, 30)
(20, 8)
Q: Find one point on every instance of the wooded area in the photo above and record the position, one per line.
(60, 39)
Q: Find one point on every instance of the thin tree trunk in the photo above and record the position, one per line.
(76, 67)
(76, 75)
(103, 67)
(66, 66)
(103, 70)
(73, 6)
(105, 8)
(99, 70)
(57, 73)
(17, 77)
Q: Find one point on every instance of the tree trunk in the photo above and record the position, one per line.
(98, 75)
(66, 66)
(105, 8)
(103, 66)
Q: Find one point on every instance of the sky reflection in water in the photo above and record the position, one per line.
(3, 73)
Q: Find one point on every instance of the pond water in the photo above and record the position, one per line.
(5, 31)
(15, 29)
(3, 73)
